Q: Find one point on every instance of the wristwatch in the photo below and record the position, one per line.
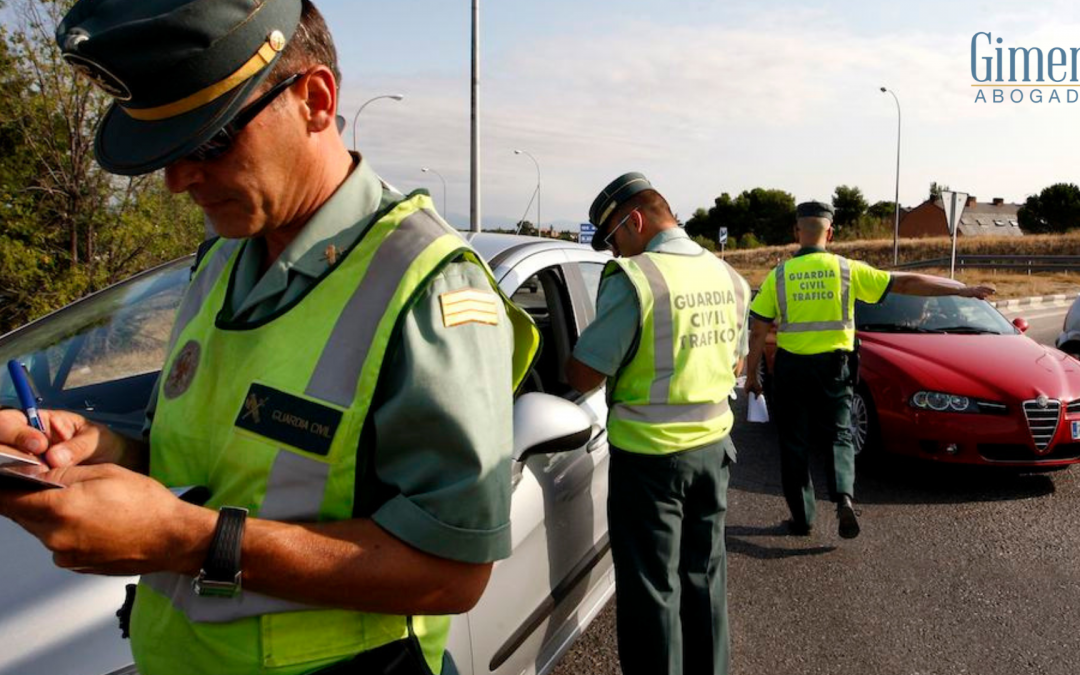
(220, 573)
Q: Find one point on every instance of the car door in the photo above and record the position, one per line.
(559, 574)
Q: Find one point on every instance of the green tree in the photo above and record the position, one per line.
(67, 228)
(882, 210)
(848, 205)
(1055, 209)
(768, 214)
(937, 188)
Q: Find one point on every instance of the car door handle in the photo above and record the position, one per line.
(599, 440)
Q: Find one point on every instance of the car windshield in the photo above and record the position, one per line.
(118, 335)
(945, 314)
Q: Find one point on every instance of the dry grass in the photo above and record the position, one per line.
(754, 264)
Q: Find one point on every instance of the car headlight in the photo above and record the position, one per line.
(940, 401)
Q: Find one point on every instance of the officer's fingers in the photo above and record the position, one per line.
(17, 434)
(76, 441)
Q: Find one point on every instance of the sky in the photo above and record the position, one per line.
(703, 97)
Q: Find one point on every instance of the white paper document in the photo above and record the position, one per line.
(21, 472)
(756, 409)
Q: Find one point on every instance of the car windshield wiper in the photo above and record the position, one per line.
(973, 330)
(895, 328)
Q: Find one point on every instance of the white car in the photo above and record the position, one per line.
(1069, 340)
(100, 356)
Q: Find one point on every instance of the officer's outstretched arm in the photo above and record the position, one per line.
(907, 283)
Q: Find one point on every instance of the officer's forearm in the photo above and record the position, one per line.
(351, 564)
(906, 283)
(759, 333)
(581, 377)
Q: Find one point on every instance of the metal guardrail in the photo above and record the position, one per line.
(1030, 263)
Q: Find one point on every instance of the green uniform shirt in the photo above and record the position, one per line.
(441, 442)
(868, 284)
(608, 341)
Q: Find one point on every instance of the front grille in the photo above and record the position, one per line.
(1073, 407)
(1043, 422)
(1015, 452)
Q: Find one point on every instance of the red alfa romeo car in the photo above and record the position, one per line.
(951, 380)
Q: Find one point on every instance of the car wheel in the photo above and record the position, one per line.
(1072, 349)
(863, 424)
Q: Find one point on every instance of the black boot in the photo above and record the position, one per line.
(845, 516)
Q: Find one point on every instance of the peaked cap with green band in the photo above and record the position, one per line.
(607, 202)
(814, 210)
(178, 70)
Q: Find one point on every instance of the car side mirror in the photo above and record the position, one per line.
(544, 424)
(1021, 324)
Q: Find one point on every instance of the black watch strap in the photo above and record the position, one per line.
(220, 574)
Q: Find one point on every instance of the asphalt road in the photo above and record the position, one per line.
(956, 572)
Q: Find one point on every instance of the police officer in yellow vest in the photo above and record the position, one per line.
(669, 337)
(811, 298)
(340, 374)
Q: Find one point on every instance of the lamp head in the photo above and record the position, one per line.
(883, 90)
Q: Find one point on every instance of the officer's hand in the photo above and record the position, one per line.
(69, 438)
(980, 292)
(752, 384)
(109, 520)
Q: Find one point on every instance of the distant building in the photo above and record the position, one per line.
(980, 219)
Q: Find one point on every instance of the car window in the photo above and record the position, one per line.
(120, 333)
(949, 314)
(592, 273)
(544, 297)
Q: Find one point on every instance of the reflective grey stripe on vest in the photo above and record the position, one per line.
(201, 286)
(845, 323)
(343, 358)
(296, 484)
(669, 413)
(178, 590)
(663, 330)
(740, 295)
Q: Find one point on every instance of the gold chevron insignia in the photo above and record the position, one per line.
(470, 305)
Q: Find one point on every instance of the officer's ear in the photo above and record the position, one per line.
(829, 233)
(318, 92)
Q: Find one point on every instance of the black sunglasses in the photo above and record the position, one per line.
(222, 141)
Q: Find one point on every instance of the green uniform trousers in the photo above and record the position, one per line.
(812, 405)
(666, 522)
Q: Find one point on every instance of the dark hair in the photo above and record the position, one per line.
(311, 45)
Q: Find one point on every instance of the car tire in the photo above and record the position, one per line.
(1072, 349)
(864, 427)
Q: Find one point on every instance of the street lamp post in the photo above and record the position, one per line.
(896, 210)
(523, 152)
(427, 170)
(474, 124)
(396, 97)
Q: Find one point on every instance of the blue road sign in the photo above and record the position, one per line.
(585, 234)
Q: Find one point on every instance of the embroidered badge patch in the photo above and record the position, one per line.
(183, 370)
(288, 419)
(470, 305)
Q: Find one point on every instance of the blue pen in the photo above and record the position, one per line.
(25, 394)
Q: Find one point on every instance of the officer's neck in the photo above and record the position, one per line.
(327, 176)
